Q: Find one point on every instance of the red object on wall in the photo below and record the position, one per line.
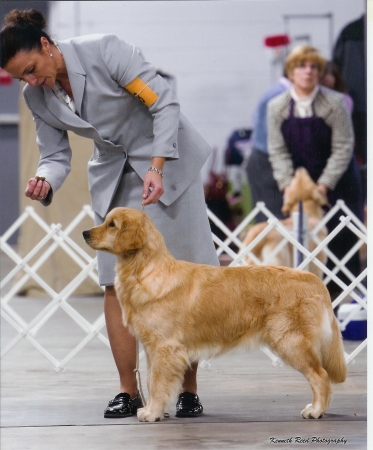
(5, 78)
(279, 40)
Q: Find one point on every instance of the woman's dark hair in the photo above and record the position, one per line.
(332, 69)
(22, 31)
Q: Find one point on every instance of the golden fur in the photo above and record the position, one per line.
(183, 312)
(302, 187)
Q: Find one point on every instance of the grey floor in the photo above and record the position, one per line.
(249, 404)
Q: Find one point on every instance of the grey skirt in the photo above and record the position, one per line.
(184, 224)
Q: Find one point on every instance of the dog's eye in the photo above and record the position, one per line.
(112, 224)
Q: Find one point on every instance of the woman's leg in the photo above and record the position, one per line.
(190, 379)
(122, 343)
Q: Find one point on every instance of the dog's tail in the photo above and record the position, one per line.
(332, 354)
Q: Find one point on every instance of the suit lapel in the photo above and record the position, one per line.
(62, 112)
(74, 122)
(77, 77)
(77, 74)
(77, 82)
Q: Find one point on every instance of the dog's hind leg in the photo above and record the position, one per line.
(322, 393)
(304, 358)
(166, 368)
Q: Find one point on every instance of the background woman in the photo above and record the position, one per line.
(309, 126)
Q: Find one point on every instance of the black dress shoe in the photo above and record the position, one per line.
(188, 405)
(122, 405)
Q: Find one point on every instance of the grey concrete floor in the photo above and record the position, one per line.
(249, 404)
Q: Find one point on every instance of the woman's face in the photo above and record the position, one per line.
(34, 67)
(305, 77)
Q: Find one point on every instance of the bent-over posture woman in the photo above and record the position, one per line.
(145, 152)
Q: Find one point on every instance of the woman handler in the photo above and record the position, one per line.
(145, 152)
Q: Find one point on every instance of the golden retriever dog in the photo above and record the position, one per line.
(302, 187)
(183, 312)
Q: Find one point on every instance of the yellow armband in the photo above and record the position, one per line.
(141, 90)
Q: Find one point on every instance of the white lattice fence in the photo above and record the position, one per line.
(54, 238)
(57, 238)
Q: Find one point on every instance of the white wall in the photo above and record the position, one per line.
(213, 48)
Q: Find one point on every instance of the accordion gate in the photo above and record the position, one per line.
(55, 237)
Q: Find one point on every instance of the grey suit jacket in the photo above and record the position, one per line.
(331, 106)
(120, 124)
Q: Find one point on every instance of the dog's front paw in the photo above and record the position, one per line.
(144, 415)
(310, 412)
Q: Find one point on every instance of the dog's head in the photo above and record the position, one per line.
(302, 187)
(123, 231)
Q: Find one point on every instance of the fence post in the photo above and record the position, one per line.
(300, 232)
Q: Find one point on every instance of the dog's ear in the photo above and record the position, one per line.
(288, 203)
(130, 236)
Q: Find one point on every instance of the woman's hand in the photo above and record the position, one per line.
(152, 188)
(37, 188)
(323, 189)
(153, 184)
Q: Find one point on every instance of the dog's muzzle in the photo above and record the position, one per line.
(86, 234)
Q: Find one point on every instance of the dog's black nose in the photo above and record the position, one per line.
(86, 234)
